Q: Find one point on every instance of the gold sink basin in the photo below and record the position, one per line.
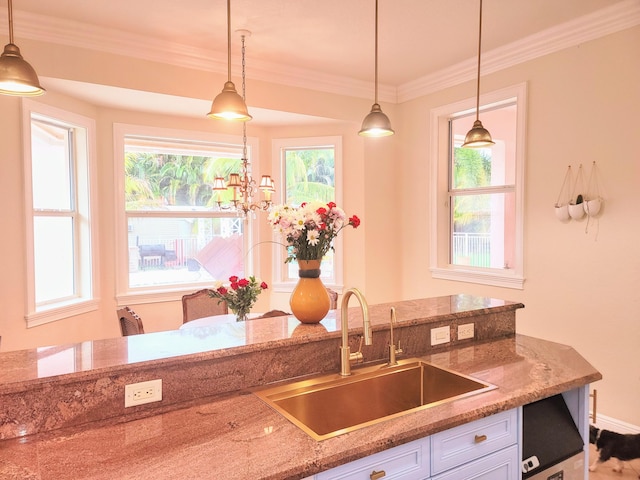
(331, 405)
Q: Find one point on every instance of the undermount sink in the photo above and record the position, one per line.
(331, 405)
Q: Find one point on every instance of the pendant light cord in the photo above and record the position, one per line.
(376, 62)
(10, 21)
(479, 53)
(229, 38)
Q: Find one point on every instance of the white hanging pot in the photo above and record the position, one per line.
(576, 211)
(592, 207)
(562, 213)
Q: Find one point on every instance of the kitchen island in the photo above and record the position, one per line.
(234, 435)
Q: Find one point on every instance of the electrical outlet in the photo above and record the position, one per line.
(440, 335)
(143, 392)
(465, 331)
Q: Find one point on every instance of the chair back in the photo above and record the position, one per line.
(333, 299)
(273, 313)
(200, 304)
(130, 322)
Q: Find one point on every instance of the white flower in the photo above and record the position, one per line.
(313, 237)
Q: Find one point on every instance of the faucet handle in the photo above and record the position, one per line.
(357, 357)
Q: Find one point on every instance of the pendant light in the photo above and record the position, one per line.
(478, 136)
(229, 105)
(17, 77)
(376, 123)
(243, 186)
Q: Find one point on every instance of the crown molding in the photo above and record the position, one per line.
(606, 21)
(609, 20)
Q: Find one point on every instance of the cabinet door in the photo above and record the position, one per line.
(406, 462)
(473, 440)
(501, 465)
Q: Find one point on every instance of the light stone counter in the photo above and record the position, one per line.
(238, 437)
(210, 425)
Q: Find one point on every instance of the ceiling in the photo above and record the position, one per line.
(332, 40)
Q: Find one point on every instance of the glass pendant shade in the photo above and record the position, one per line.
(229, 105)
(376, 124)
(478, 137)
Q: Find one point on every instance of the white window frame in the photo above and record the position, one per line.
(439, 209)
(281, 281)
(86, 235)
(137, 295)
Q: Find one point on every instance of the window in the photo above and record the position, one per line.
(61, 243)
(477, 194)
(310, 170)
(171, 234)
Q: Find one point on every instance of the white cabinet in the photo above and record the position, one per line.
(501, 465)
(407, 462)
(485, 449)
(473, 440)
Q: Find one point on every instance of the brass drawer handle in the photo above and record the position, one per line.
(480, 438)
(376, 475)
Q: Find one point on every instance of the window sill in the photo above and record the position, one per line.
(60, 312)
(508, 279)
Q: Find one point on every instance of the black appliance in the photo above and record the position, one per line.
(552, 448)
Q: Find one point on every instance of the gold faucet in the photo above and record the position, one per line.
(393, 351)
(346, 357)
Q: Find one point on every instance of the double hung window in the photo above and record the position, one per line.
(477, 201)
(310, 171)
(61, 240)
(172, 234)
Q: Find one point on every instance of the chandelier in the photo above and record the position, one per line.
(244, 187)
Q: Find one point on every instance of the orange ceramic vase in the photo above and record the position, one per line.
(309, 300)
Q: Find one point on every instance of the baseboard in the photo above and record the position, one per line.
(615, 425)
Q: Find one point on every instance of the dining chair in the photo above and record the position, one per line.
(333, 299)
(130, 322)
(273, 313)
(201, 304)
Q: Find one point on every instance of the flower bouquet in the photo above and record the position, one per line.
(239, 293)
(310, 228)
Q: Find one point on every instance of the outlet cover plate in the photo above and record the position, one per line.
(440, 335)
(143, 392)
(465, 331)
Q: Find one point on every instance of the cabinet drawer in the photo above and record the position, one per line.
(473, 440)
(409, 461)
(501, 465)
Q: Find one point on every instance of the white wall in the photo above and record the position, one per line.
(581, 287)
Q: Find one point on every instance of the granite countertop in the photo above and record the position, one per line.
(236, 436)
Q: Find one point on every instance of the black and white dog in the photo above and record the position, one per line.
(620, 447)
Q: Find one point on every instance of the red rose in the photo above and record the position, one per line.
(222, 290)
(233, 279)
(243, 283)
(264, 286)
(331, 205)
(234, 285)
(355, 221)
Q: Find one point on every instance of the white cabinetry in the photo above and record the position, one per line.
(472, 441)
(407, 462)
(485, 449)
